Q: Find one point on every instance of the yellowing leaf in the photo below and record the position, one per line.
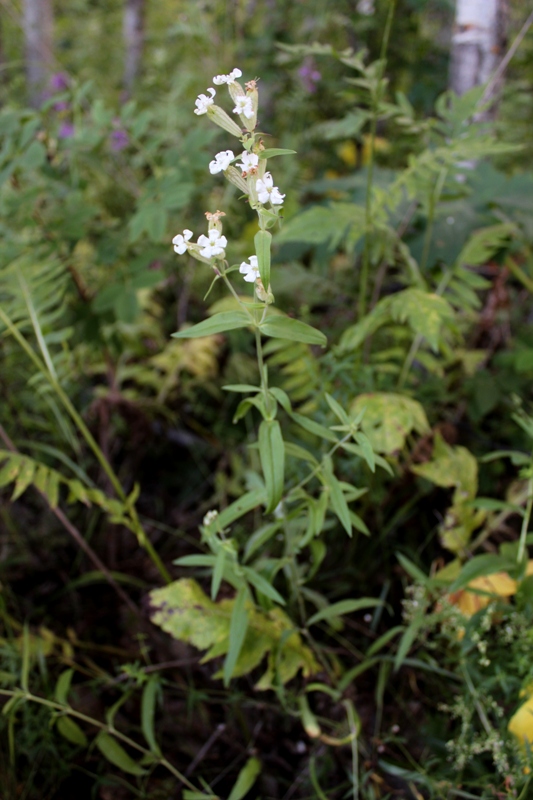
(521, 723)
(470, 602)
(183, 610)
(389, 418)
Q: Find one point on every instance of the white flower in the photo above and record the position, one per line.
(203, 102)
(250, 271)
(180, 241)
(243, 105)
(249, 161)
(218, 80)
(267, 192)
(210, 517)
(213, 244)
(221, 161)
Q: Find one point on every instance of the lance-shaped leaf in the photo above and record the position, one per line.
(276, 151)
(293, 329)
(218, 323)
(237, 632)
(336, 496)
(116, 754)
(272, 455)
(262, 241)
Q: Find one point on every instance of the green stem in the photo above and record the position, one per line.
(369, 217)
(526, 517)
(65, 709)
(318, 467)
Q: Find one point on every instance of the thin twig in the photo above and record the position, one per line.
(506, 59)
(78, 538)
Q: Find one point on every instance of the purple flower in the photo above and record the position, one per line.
(62, 106)
(119, 140)
(309, 75)
(66, 130)
(59, 81)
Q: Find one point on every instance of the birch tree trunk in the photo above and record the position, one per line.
(38, 23)
(477, 42)
(133, 31)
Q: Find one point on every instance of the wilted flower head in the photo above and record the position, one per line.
(251, 270)
(248, 162)
(244, 106)
(213, 244)
(267, 192)
(221, 161)
(218, 80)
(203, 102)
(180, 241)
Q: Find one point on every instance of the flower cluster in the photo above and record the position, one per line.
(247, 171)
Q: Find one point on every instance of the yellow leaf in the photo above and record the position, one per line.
(521, 723)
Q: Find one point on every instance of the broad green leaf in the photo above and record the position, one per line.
(272, 152)
(293, 329)
(184, 611)
(336, 496)
(237, 632)
(148, 701)
(388, 419)
(71, 731)
(62, 687)
(343, 607)
(425, 313)
(218, 323)
(245, 779)
(262, 242)
(116, 755)
(272, 455)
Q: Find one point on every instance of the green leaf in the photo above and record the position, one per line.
(482, 245)
(148, 701)
(272, 152)
(218, 323)
(262, 585)
(237, 632)
(286, 328)
(272, 455)
(116, 755)
(262, 241)
(241, 387)
(314, 427)
(245, 779)
(71, 731)
(343, 607)
(218, 572)
(62, 687)
(260, 537)
(425, 313)
(479, 566)
(338, 410)
(24, 478)
(240, 507)
(336, 496)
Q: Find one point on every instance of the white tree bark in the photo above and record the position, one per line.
(38, 22)
(133, 31)
(477, 42)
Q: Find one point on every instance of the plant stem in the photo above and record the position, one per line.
(71, 712)
(527, 516)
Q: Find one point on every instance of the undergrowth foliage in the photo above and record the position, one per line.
(308, 579)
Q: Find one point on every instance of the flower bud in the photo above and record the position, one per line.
(264, 296)
(223, 120)
(234, 176)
